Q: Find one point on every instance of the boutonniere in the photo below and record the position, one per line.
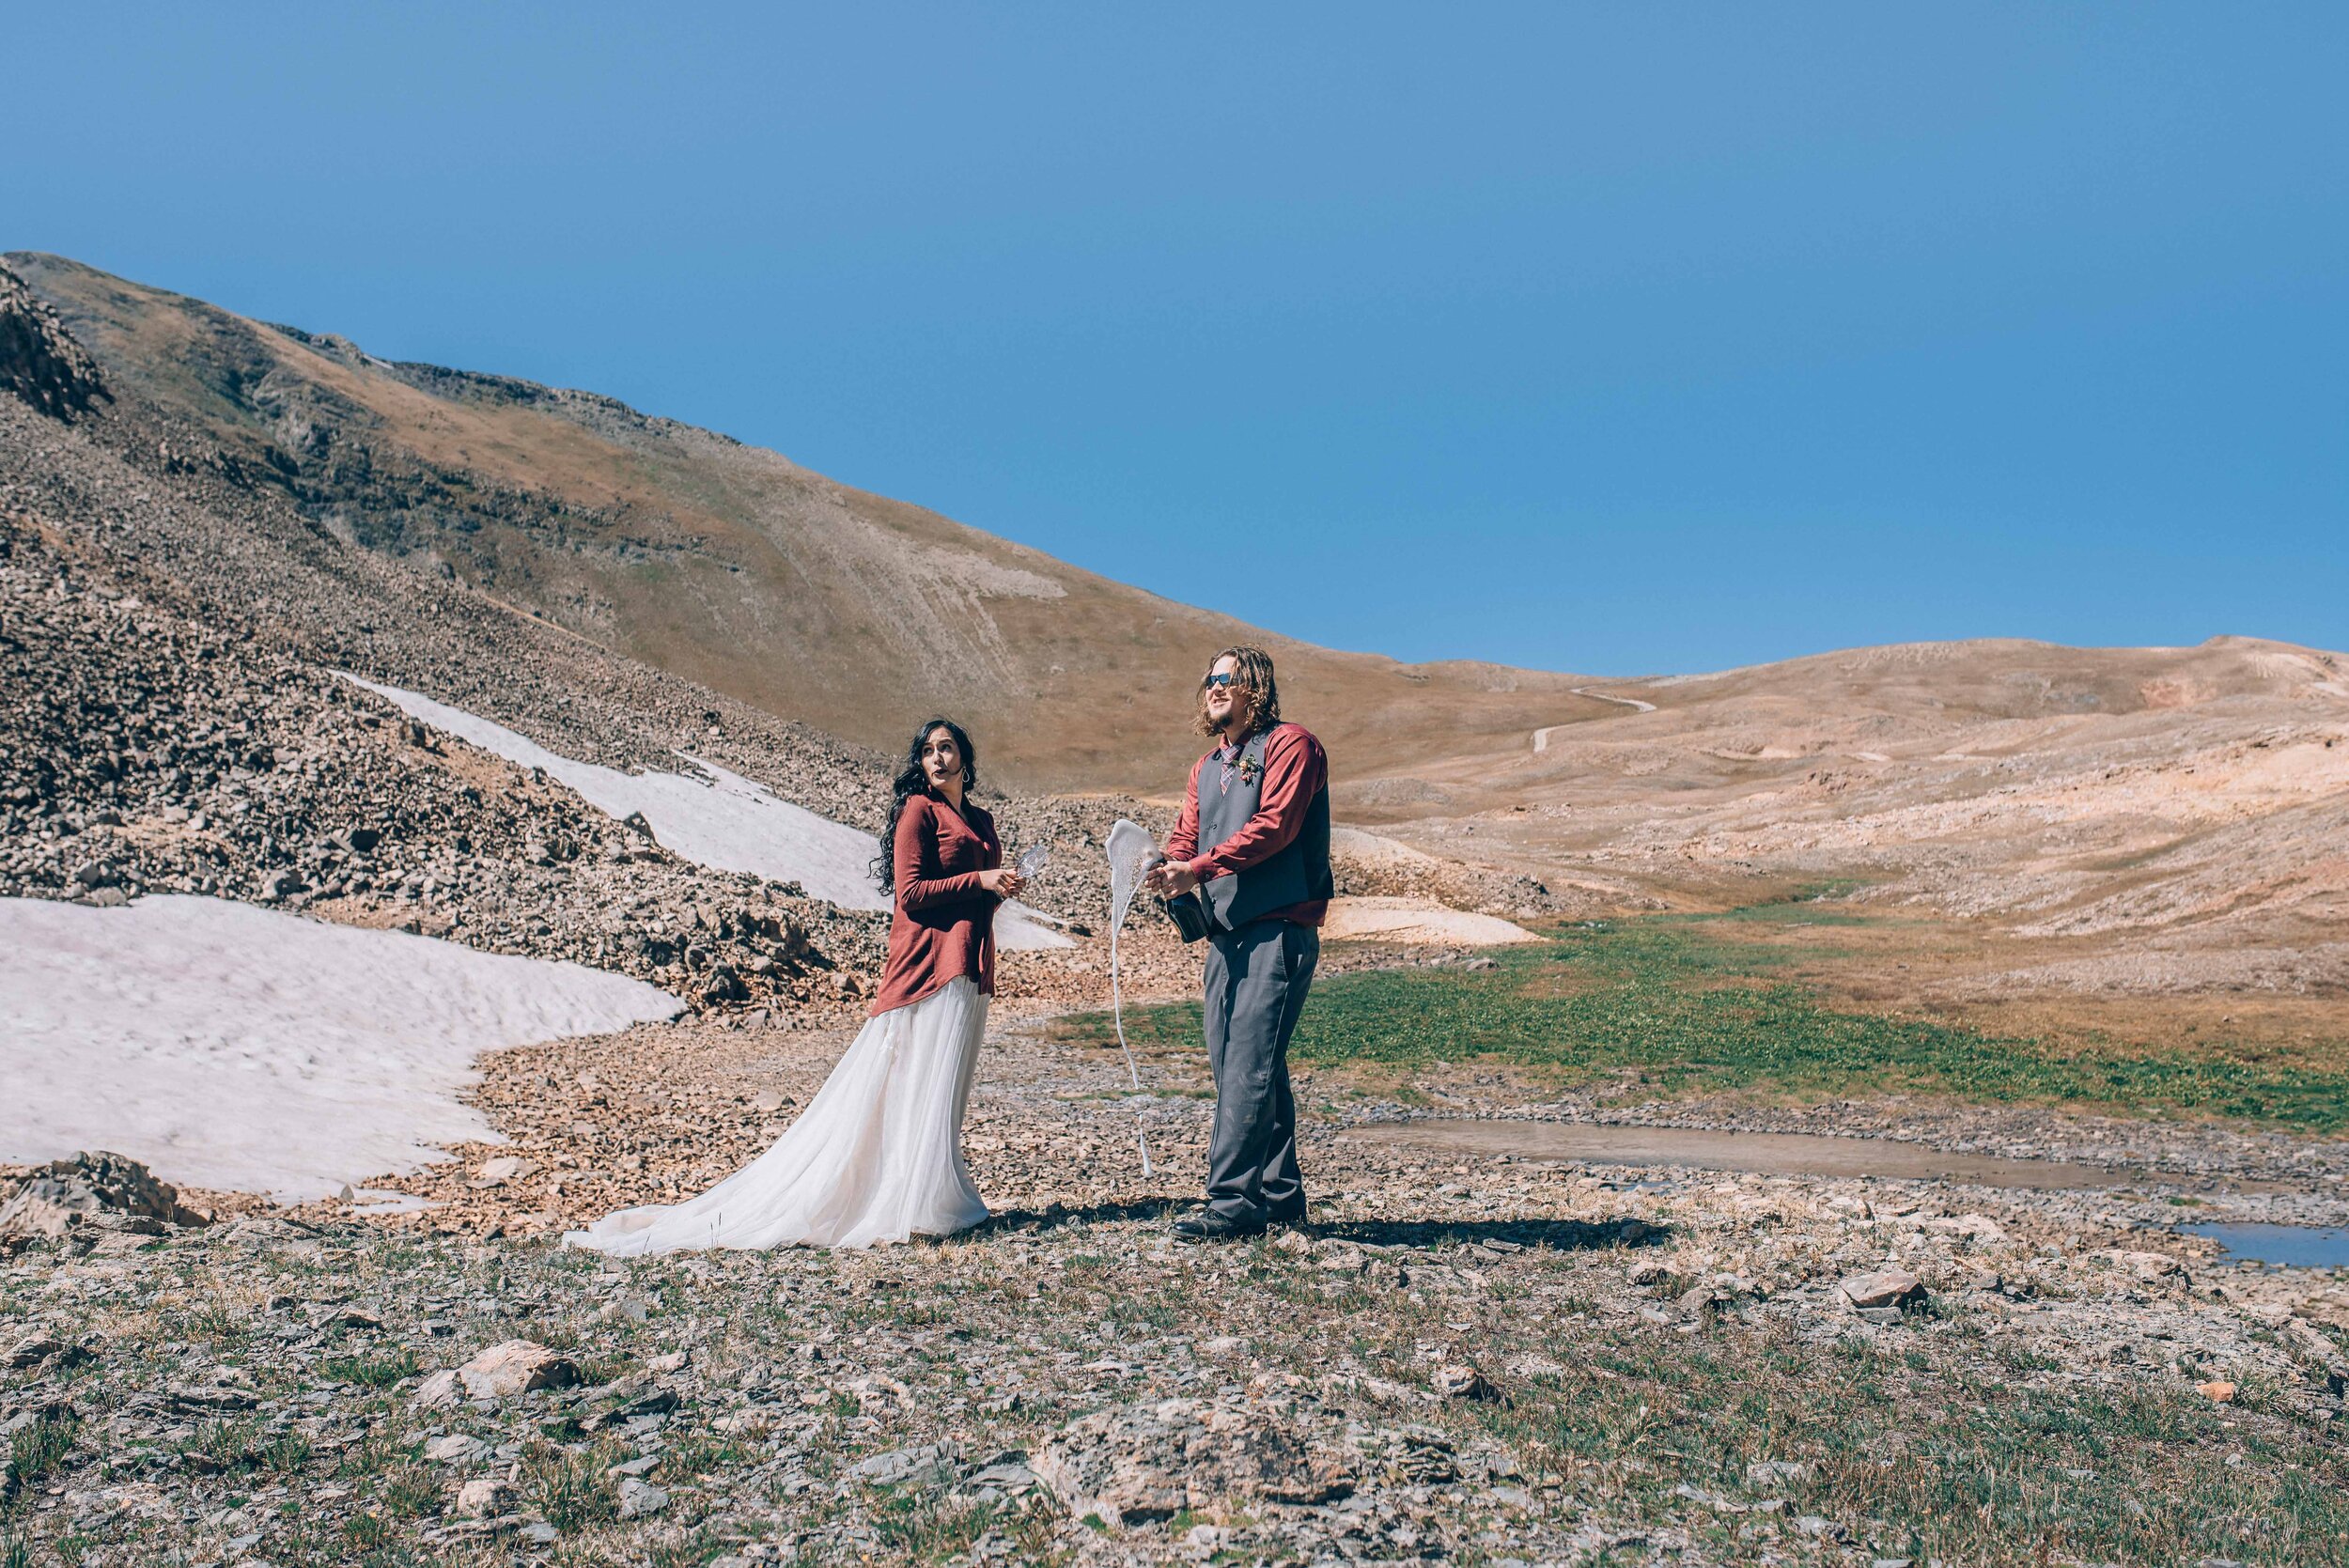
(1249, 770)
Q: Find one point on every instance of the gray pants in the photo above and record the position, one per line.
(1257, 977)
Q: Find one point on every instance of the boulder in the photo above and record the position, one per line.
(515, 1367)
(482, 1498)
(39, 360)
(1884, 1287)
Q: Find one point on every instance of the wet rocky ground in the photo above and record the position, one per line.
(1461, 1360)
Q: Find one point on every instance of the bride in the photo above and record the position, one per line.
(877, 1155)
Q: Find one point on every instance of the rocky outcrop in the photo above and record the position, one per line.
(92, 1186)
(39, 360)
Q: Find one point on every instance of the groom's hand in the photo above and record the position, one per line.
(1172, 879)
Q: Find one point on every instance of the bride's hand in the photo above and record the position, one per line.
(1002, 882)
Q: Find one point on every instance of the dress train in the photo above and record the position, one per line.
(876, 1156)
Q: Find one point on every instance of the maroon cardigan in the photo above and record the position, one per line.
(944, 923)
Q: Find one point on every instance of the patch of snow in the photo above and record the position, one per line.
(1418, 921)
(720, 819)
(233, 1046)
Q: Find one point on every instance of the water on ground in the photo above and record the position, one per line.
(2283, 1245)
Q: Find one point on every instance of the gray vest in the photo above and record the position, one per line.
(1299, 873)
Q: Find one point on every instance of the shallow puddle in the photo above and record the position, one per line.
(2283, 1246)
(1784, 1154)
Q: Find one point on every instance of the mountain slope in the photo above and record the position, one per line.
(618, 587)
(736, 569)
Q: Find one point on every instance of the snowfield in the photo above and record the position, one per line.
(233, 1046)
(721, 819)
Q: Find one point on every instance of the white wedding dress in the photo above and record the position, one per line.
(876, 1156)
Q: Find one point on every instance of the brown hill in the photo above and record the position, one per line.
(2173, 801)
(735, 567)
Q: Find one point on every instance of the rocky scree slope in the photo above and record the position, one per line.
(149, 753)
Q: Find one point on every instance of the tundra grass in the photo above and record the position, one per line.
(1913, 1452)
(1696, 1004)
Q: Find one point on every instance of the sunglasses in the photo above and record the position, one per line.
(1225, 679)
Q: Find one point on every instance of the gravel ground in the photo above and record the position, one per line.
(1504, 1361)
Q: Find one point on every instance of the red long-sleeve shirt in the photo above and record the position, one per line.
(944, 923)
(1295, 770)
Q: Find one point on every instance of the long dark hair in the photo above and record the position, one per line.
(912, 780)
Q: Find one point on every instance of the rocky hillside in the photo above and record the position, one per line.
(154, 753)
(170, 637)
(727, 564)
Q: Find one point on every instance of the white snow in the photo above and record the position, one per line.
(233, 1046)
(720, 819)
(1416, 919)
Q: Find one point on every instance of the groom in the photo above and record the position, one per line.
(1254, 842)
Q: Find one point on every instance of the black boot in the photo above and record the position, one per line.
(1208, 1225)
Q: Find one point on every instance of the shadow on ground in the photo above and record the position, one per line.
(1053, 1216)
(1500, 1236)
(1562, 1235)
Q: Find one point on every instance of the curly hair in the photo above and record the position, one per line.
(1259, 693)
(913, 779)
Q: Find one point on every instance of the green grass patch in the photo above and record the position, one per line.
(572, 1486)
(1696, 1004)
(35, 1450)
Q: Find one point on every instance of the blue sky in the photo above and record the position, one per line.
(1602, 338)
